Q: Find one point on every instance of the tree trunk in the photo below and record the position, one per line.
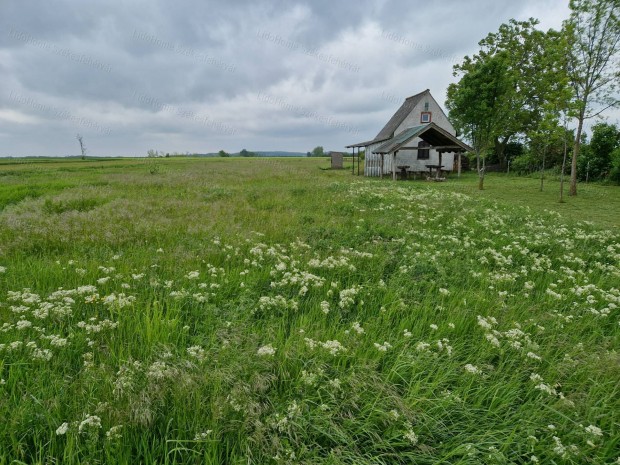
(542, 171)
(480, 171)
(500, 151)
(563, 165)
(573, 166)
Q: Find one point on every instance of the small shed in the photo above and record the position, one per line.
(337, 160)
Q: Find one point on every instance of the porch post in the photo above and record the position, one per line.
(381, 167)
(394, 165)
(439, 165)
(459, 155)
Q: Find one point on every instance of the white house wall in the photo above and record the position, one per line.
(437, 116)
(372, 161)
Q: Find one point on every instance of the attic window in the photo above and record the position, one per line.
(426, 117)
(425, 106)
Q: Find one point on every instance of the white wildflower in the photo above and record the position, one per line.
(267, 350)
(325, 307)
(91, 421)
(358, 328)
(202, 436)
(333, 347)
(62, 429)
(533, 356)
(196, 352)
(472, 369)
(114, 433)
(383, 347)
(594, 430)
(409, 434)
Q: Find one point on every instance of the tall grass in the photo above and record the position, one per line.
(261, 311)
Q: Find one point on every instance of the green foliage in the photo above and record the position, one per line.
(475, 104)
(593, 32)
(614, 173)
(595, 159)
(526, 83)
(224, 154)
(245, 153)
(318, 152)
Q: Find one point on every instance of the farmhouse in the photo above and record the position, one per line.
(418, 138)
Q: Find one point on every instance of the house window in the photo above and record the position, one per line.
(425, 106)
(423, 153)
(426, 117)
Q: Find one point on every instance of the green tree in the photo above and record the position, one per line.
(318, 152)
(614, 173)
(245, 153)
(595, 159)
(593, 30)
(222, 153)
(475, 106)
(520, 47)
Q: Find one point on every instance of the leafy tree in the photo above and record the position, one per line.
(595, 159)
(475, 106)
(520, 46)
(318, 152)
(614, 173)
(245, 153)
(593, 30)
(221, 153)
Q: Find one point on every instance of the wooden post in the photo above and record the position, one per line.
(358, 161)
(438, 167)
(459, 155)
(381, 167)
(353, 158)
(394, 165)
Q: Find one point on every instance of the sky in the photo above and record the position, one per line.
(199, 76)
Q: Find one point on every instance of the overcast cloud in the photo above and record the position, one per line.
(199, 76)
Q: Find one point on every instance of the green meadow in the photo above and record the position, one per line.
(257, 311)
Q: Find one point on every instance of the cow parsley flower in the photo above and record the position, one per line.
(383, 347)
(91, 421)
(193, 275)
(267, 350)
(594, 430)
(62, 429)
(472, 369)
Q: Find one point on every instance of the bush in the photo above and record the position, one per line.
(614, 172)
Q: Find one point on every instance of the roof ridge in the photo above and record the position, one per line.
(417, 95)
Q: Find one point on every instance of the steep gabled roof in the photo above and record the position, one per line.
(388, 130)
(437, 137)
(407, 107)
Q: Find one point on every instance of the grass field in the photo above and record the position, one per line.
(236, 311)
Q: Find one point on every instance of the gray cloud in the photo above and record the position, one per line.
(188, 76)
